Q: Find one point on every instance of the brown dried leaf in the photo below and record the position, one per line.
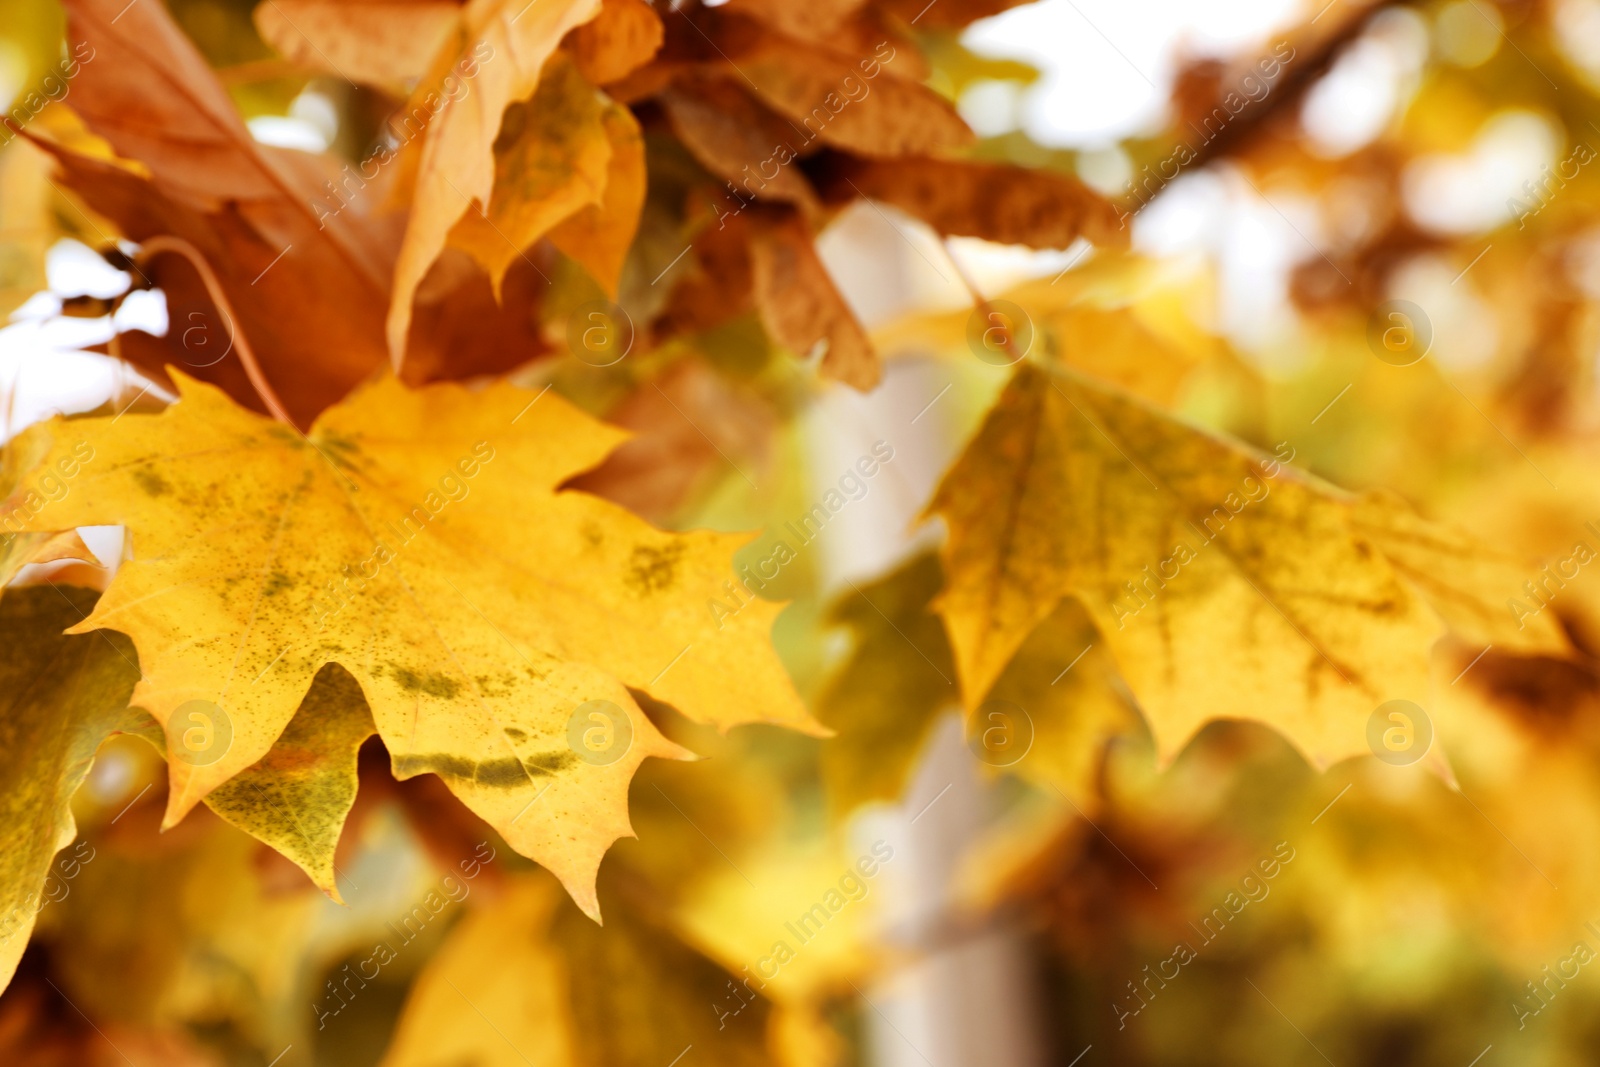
(622, 38)
(737, 139)
(995, 201)
(859, 104)
(315, 326)
(459, 329)
(799, 304)
(308, 283)
(717, 286)
(946, 14)
(151, 94)
(686, 425)
(814, 21)
(378, 42)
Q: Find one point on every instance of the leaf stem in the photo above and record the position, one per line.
(979, 301)
(168, 243)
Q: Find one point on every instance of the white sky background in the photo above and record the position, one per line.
(1108, 67)
(1109, 64)
(1108, 70)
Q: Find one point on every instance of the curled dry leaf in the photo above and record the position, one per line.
(995, 201)
(598, 236)
(550, 161)
(503, 46)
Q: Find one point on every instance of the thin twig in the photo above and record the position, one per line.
(979, 300)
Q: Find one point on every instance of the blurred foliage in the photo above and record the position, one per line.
(1414, 914)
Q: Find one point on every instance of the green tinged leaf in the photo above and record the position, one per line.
(297, 796)
(529, 980)
(61, 696)
(897, 679)
(1047, 718)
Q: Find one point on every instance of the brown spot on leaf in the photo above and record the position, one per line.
(651, 570)
(431, 682)
(151, 482)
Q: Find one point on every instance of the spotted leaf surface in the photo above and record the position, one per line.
(297, 796)
(1223, 582)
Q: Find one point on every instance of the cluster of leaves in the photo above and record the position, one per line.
(385, 558)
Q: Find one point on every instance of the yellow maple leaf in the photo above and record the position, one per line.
(1472, 599)
(419, 540)
(1224, 584)
(1055, 708)
(1113, 317)
(36, 486)
(885, 695)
